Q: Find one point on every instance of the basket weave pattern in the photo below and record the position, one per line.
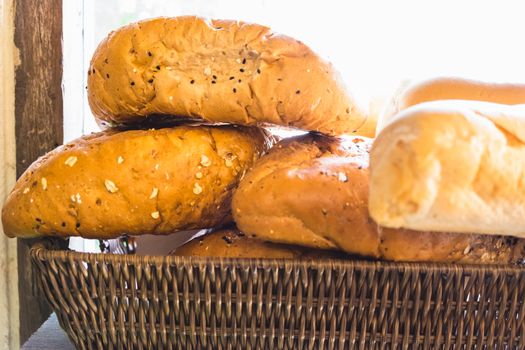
(132, 302)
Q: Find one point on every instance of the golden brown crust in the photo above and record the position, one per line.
(452, 88)
(313, 191)
(220, 71)
(232, 243)
(133, 182)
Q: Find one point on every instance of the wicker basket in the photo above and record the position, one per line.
(132, 302)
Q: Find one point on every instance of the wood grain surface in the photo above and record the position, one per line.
(38, 125)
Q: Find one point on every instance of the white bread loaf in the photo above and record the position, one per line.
(450, 88)
(455, 166)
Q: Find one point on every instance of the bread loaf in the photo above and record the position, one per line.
(313, 191)
(133, 182)
(220, 71)
(231, 243)
(451, 166)
(451, 88)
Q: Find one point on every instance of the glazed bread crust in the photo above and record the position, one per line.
(313, 191)
(133, 182)
(451, 166)
(220, 71)
(451, 88)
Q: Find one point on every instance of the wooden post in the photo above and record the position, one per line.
(9, 317)
(38, 123)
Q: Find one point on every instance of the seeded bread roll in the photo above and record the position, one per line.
(220, 71)
(133, 182)
(451, 88)
(232, 243)
(313, 191)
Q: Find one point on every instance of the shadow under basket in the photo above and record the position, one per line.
(108, 301)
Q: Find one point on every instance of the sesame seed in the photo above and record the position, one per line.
(71, 161)
(150, 81)
(155, 214)
(308, 70)
(110, 186)
(258, 71)
(298, 92)
(75, 198)
(244, 61)
(197, 189)
(192, 81)
(25, 190)
(232, 77)
(134, 70)
(207, 71)
(467, 250)
(120, 160)
(214, 77)
(44, 183)
(198, 175)
(234, 90)
(157, 166)
(205, 161)
(132, 83)
(238, 60)
(241, 70)
(228, 160)
(171, 98)
(154, 193)
(342, 177)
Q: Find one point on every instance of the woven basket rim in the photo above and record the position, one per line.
(43, 252)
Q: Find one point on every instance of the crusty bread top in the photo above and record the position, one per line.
(220, 71)
(451, 166)
(309, 190)
(133, 182)
(451, 88)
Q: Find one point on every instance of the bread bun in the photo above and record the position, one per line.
(451, 88)
(231, 243)
(451, 166)
(133, 182)
(313, 191)
(220, 71)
